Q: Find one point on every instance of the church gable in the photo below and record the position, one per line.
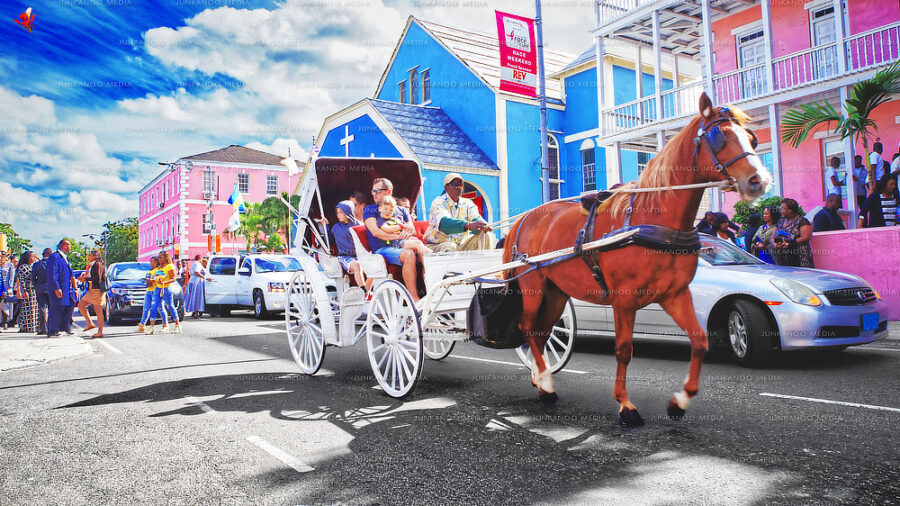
(360, 137)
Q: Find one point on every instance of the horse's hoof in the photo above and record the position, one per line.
(547, 397)
(674, 411)
(630, 418)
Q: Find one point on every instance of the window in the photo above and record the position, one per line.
(209, 182)
(206, 223)
(553, 154)
(822, 33)
(642, 160)
(426, 86)
(243, 183)
(222, 265)
(769, 162)
(271, 185)
(831, 148)
(588, 172)
(751, 49)
(401, 92)
(414, 85)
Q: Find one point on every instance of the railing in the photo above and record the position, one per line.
(873, 48)
(741, 84)
(804, 67)
(611, 9)
(676, 102)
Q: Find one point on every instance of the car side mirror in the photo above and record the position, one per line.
(244, 271)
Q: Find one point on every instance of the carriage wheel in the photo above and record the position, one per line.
(438, 349)
(394, 339)
(304, 325)
(558, 349)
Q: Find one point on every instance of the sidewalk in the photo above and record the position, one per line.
(18, 351)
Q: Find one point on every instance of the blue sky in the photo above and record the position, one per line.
(104, 89)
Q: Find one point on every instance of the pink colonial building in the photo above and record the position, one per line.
(766, 57)
(187, 202)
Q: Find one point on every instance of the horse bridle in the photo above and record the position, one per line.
(712, 137)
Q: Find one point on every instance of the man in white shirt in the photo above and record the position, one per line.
(832, 183)
(453, 219)
(877, 165)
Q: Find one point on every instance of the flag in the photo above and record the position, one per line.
(234, 222)
(237, 201)
(291, 165)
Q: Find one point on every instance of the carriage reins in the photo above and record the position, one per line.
(651, 236)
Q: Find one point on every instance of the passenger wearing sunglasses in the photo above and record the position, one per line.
(378, 238)
(454, 221)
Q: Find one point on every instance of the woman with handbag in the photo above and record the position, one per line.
(791, 242)
(763, 236)
(28, 314)
(95, 275)
(164, 280)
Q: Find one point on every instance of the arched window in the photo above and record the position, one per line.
(426, 86)
(553, 155)
(588, 166)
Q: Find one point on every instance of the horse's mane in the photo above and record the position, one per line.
(676, 156)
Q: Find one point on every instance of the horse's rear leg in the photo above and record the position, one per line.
(681, 309)
(624, 319)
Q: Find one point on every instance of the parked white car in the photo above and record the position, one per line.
(258, 283)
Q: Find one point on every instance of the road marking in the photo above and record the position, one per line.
(826, 401)
(108, 346)
(206, 408)
(285, 458)
(875, 349)
(516, 364)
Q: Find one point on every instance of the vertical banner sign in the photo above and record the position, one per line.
(518, 54)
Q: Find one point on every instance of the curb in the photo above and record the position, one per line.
(84, 349)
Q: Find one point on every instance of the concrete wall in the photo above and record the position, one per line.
(870, 253)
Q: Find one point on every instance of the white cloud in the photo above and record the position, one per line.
(280, 147)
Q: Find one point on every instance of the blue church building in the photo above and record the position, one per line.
(439, 103)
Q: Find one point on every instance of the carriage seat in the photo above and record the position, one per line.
(374, 266)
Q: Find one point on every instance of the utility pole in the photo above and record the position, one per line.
(542, 92)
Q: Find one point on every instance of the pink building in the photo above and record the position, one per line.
(188, 200)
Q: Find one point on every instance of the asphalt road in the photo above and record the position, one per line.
(220, 414)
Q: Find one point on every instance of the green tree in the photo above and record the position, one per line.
(77, 257)
(121, 240)
(264, 225)
(856, 122)
(14, 242)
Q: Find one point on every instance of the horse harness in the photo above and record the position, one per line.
(657, 237)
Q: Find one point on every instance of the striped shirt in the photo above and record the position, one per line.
(889, 210)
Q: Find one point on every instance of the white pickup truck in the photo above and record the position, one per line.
(254, 281)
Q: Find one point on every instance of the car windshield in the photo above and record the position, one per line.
(718, 252)
(286, 264)
(130, 271)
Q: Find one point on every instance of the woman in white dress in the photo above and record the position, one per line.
(194, 292)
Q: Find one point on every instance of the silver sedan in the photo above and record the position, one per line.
(754, 308)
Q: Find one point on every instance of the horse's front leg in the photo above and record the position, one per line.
(681, 308)
(624, 320)
(540, 311)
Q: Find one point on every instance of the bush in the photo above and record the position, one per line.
(742, 210)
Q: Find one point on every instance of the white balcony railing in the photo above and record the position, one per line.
(676, 102)
(741, 84)
(804, 67)
(873, 48)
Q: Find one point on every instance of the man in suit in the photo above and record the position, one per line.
(39, 279)
(61, 291)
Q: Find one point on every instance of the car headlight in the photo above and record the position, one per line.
(797, 292)
(276, 286)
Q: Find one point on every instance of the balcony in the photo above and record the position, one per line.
(862, 52)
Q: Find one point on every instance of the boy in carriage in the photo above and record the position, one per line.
(388, 208)
(346, 251)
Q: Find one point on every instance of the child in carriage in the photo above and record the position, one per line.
(340, 233)
(387, 208)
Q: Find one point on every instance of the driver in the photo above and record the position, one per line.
(452, 217)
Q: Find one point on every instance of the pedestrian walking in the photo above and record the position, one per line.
(28, 315)
(95, 276)
(149, 294)
(7, 296)
(195, 291)
(39, 279)
(61, 287)
(164, 280)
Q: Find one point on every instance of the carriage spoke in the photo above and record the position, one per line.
(555, 354)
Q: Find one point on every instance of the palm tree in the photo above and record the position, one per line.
(855, 123)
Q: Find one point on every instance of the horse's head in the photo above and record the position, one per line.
(725, 150)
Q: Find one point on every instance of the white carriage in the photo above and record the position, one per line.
(398, 333)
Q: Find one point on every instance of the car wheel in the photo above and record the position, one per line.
(259, 305)
(111, 318)
(749, 331)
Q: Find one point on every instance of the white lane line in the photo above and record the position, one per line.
(206, 408)
(826, 401)
(516, 364)
(108, 346)
(285, 458)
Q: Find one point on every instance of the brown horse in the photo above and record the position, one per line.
(715, 146)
